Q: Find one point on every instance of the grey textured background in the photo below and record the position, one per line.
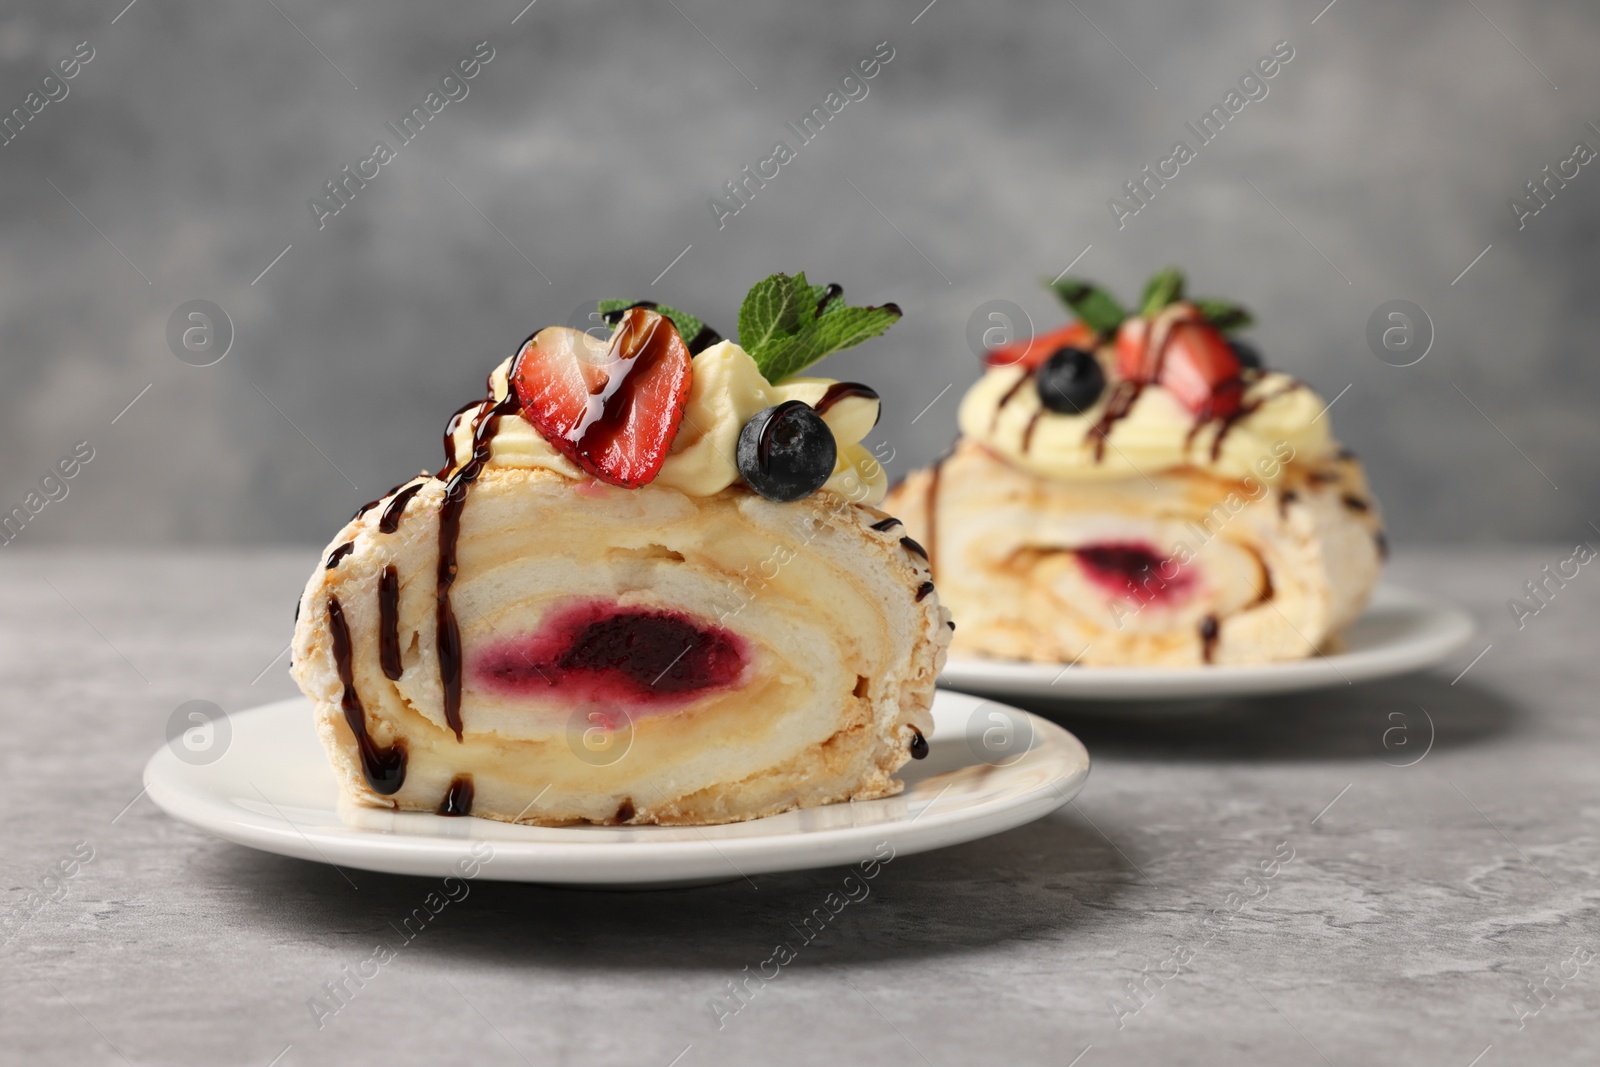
(194, 139)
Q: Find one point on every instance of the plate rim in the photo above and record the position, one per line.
(607, 862)
(1021, 678)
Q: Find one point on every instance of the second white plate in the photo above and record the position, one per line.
(1400, 632)
(990, 768)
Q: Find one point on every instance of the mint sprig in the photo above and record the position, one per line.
(786, 324)
(1224, 314)
(1091, 304)
(1164, 287)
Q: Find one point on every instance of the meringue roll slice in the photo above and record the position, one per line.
(1138, 491)
(590, 616)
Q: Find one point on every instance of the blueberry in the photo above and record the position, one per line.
(1246, 354)
(1070, 381)
(786, 451)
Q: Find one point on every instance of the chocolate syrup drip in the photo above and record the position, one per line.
(458, 798)
(1355, 503)
(1208, 637)
(389, 521)
(638, 353)
(389, 623)
(701, 341)
(885, 525)
(339, 553)
(369, 505)
(1382, 541)
(1121, 402)
(1228, 422)
(450, 433)
(455, 499)
(923, 590)
(952, 625)
(625, 810)
(1016, 387)
(829, 295)
(919, 744)
(911, 546)
(842, 390)
(1027, 433)
(384, 768)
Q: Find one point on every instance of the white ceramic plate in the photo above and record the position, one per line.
(990, 768)
(1400, 632)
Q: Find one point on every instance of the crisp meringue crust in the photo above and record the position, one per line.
(838, 650)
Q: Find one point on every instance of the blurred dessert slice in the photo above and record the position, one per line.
(1136, 490)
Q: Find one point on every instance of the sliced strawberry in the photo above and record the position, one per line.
(1133, 338)
(612, 407)
(1035, 350)
(1199, 368)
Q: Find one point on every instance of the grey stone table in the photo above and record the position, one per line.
(1267, 885)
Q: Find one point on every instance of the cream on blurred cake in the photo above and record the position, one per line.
(1170, 505)
(523, 638)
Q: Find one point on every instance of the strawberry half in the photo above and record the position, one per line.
(612, 407)
(1199, 368)
(1035, 350)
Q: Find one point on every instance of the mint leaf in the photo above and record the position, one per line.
(786, 324)
(1092, 304)
(1164, 287)
(1224, 315)
(769, 318)
(687, 325)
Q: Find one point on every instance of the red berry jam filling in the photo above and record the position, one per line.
(598, 650)
(1131, 568)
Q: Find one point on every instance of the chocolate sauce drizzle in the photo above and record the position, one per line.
(339, 553)
(1122, 399)
(1355, 503)
(389, 623)
(842, 390)
(831, 293)
(923, 590)
(1027, 432)
(389, 521)
(625, 810)
(475, 406)
(1208, 637)
(639, 350)
(384, 768)
(884, 525)
(697, 344)
(1016, 387)
(911, 546)
(1243, 411)
(455, 499)
(919, 744)
(458, 798)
